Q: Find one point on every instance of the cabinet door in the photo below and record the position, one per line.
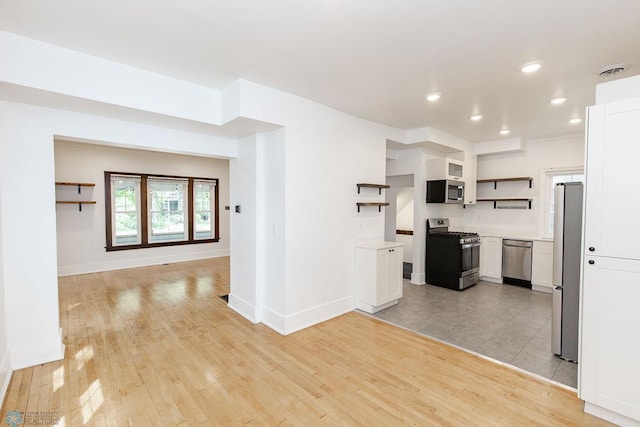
(542, 264)
(394, 273)
(491, 257)
(612, 223)
(470, 184)
(610, 335)
(382, 274)
(454, 169)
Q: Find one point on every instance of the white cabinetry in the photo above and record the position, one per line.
(542, 266)
(469, 178)
(491, 259)
(378, 273)
(445, 168)
(612, 203)
(610, 319)
(610, 373)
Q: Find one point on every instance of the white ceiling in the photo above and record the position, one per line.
(374, 59)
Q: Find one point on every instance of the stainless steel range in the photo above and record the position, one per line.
(452, 258)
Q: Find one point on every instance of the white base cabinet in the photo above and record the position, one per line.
(542, 266)
(609, 368)
(378, 274)
(491, 259)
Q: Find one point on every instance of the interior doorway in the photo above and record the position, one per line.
(399, 219)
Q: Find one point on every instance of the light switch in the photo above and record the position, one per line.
(237, 208)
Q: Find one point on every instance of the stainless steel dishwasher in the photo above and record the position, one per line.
(516, 262)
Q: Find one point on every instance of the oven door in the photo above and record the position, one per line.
(470, 258)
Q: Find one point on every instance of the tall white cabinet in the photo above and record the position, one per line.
(609, 381)
(378, 273)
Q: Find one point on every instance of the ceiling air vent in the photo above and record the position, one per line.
(612, 70)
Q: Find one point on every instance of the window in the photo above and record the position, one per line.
(126, 209)
(154, 210)
(204, 197)
(167, 209)
(553, 177)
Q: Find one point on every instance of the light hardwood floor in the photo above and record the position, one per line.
(157, 346)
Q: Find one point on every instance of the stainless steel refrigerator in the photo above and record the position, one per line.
(567, 242)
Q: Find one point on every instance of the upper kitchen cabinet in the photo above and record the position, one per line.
(612, 202)
(446, 168)
(469, 177)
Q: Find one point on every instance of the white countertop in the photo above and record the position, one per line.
(511, 235)
(379, 245)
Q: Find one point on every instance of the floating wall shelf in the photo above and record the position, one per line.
(510, 199)
(497, 180)
(378, 186)
(79, 185)
(76, 202)
(378, 204)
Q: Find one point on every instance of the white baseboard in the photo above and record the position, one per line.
(285, 325)
(5, 375)
(275, 321)
(71, 270)
(313, 316)
(541, 288)
(610, 416)
(243, 308)
(418, 279)
(491, 279)
(37, 352)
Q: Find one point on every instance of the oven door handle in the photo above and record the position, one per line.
(470, 245)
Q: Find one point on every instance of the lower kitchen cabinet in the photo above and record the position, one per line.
(491, 259)
(610, 338)
(378, 274)
(542, 266)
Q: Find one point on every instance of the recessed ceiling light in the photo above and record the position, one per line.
(475, 117)
(558, 101)
(531, 67)
(505, 132)
(433, 97)
(575, 121)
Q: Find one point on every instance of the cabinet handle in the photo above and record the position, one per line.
(591, 249)
(591, 262)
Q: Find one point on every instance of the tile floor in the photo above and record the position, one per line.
(504, 322)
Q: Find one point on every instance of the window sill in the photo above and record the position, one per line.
(159, 244)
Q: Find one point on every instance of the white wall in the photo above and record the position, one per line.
(536, 156)
(5, 362)
(298, 193)
(417, 161)
(29, 234)
(404, 215)
(245, 176)
(81, 235)
(271, 291)
(73, 73)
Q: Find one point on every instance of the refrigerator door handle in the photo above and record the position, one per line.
(556, 321)
(558, 234)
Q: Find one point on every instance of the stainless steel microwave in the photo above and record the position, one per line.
(445, 191)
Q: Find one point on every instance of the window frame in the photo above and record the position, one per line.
(112, 221)
(185, 209)
(144, 213)
(546, 177)
(212, 207)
